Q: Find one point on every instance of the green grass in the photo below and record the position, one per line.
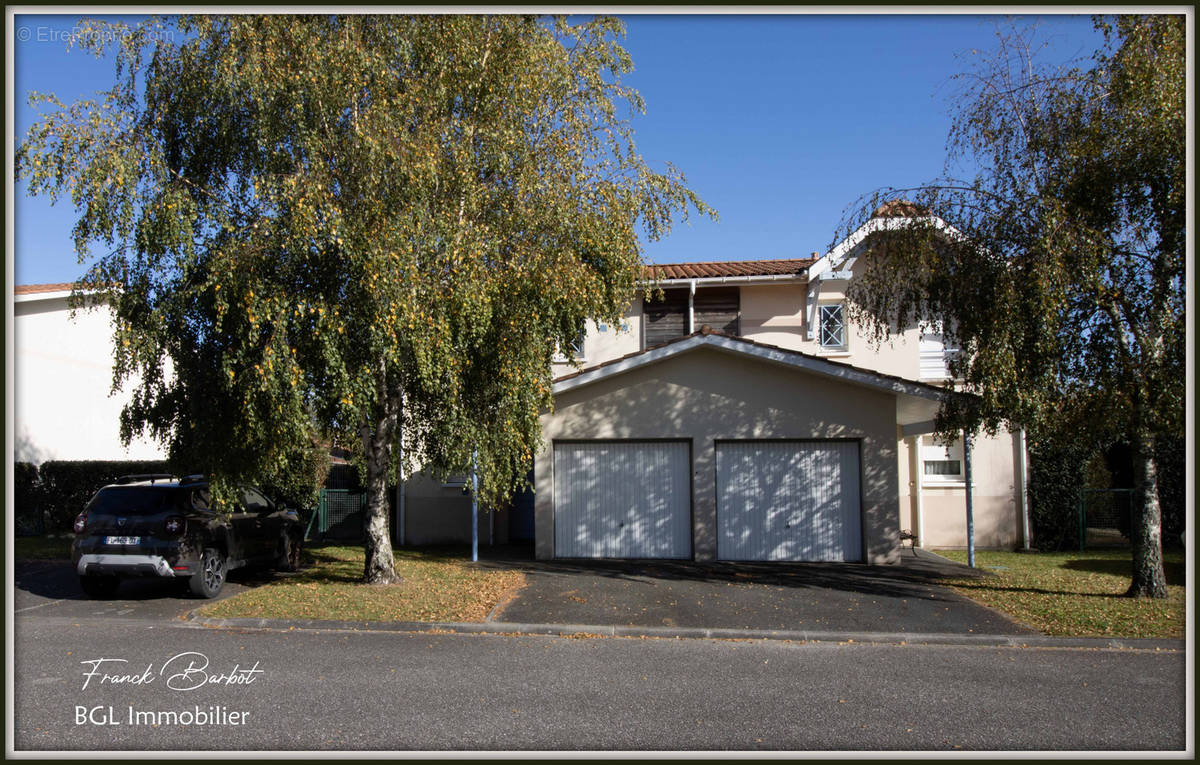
(1076, 594)
(436, 586)
(42, 548)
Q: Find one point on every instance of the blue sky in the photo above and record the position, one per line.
(778, 121)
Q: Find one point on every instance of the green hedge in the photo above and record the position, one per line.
(27, 500)
(1057, 470)
(67, 485)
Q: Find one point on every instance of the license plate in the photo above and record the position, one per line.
(121, 540)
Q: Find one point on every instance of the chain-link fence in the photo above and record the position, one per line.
(1104, 517)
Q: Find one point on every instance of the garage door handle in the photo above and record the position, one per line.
(787, 525)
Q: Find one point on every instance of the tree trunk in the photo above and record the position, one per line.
(379, 567)
(1149, 581)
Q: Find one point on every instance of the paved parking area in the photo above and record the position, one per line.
(51, 588)
(813, 597)
(825, 597)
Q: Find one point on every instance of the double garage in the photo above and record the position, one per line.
(718, 448)
(775, 500)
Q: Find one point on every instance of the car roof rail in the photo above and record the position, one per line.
(151, 477)
(193, 478)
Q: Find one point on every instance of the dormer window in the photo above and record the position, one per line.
(833, 326)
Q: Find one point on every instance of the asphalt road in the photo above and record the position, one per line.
(303, 690)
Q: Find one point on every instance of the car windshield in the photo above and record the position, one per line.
(131, 500)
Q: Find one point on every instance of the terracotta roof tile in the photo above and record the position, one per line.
(900, 208)
(787, 267)
(35, 289)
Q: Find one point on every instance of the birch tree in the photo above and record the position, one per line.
(354, 229)
(1061, 273)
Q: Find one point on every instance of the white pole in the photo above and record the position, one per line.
(400, 494)
(691, 327)
(474, 510)
(1023, 466)
(970, 505)
(918, 479)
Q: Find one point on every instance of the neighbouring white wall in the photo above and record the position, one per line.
(63, 374)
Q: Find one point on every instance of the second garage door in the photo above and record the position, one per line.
(622, 499)
(788, 501)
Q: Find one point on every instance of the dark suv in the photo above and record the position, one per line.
(161, 526)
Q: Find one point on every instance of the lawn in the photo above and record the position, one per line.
(42, 548)
(1076, 594)
(436, 586)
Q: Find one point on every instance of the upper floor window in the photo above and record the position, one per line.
(833, 326)
(935, 355)
(576, 347)
(574, 350)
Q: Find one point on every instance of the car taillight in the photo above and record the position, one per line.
(175, 525)
(80, 523)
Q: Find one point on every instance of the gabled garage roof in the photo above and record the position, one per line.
(914, 392)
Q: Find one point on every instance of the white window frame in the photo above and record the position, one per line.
(575, 351)
(841, 308)
(936, 450)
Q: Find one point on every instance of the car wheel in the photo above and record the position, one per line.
(99, 586)
(288, 558)
(210, 579)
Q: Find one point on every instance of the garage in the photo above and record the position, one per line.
(622, 499)
(789, 501)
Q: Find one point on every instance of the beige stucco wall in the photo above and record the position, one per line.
(605, 341)
(995, 494)
(775, 314)
(705, 395)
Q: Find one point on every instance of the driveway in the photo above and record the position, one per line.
(817, 597)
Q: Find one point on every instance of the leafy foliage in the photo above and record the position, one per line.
(360, 230)
(1059, 268)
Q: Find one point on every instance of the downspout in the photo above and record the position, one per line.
(970, 503)
(1023, 466)
(691, 327)
(918, 475)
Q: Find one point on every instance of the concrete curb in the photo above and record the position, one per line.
(694, 633)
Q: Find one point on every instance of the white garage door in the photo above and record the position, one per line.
(788, 500)
(622, 499)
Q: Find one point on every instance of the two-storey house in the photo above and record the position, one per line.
(736, 413)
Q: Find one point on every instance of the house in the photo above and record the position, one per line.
(739, 415)
(734, 413)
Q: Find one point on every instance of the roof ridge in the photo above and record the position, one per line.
(725, 262)
(33, 289)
